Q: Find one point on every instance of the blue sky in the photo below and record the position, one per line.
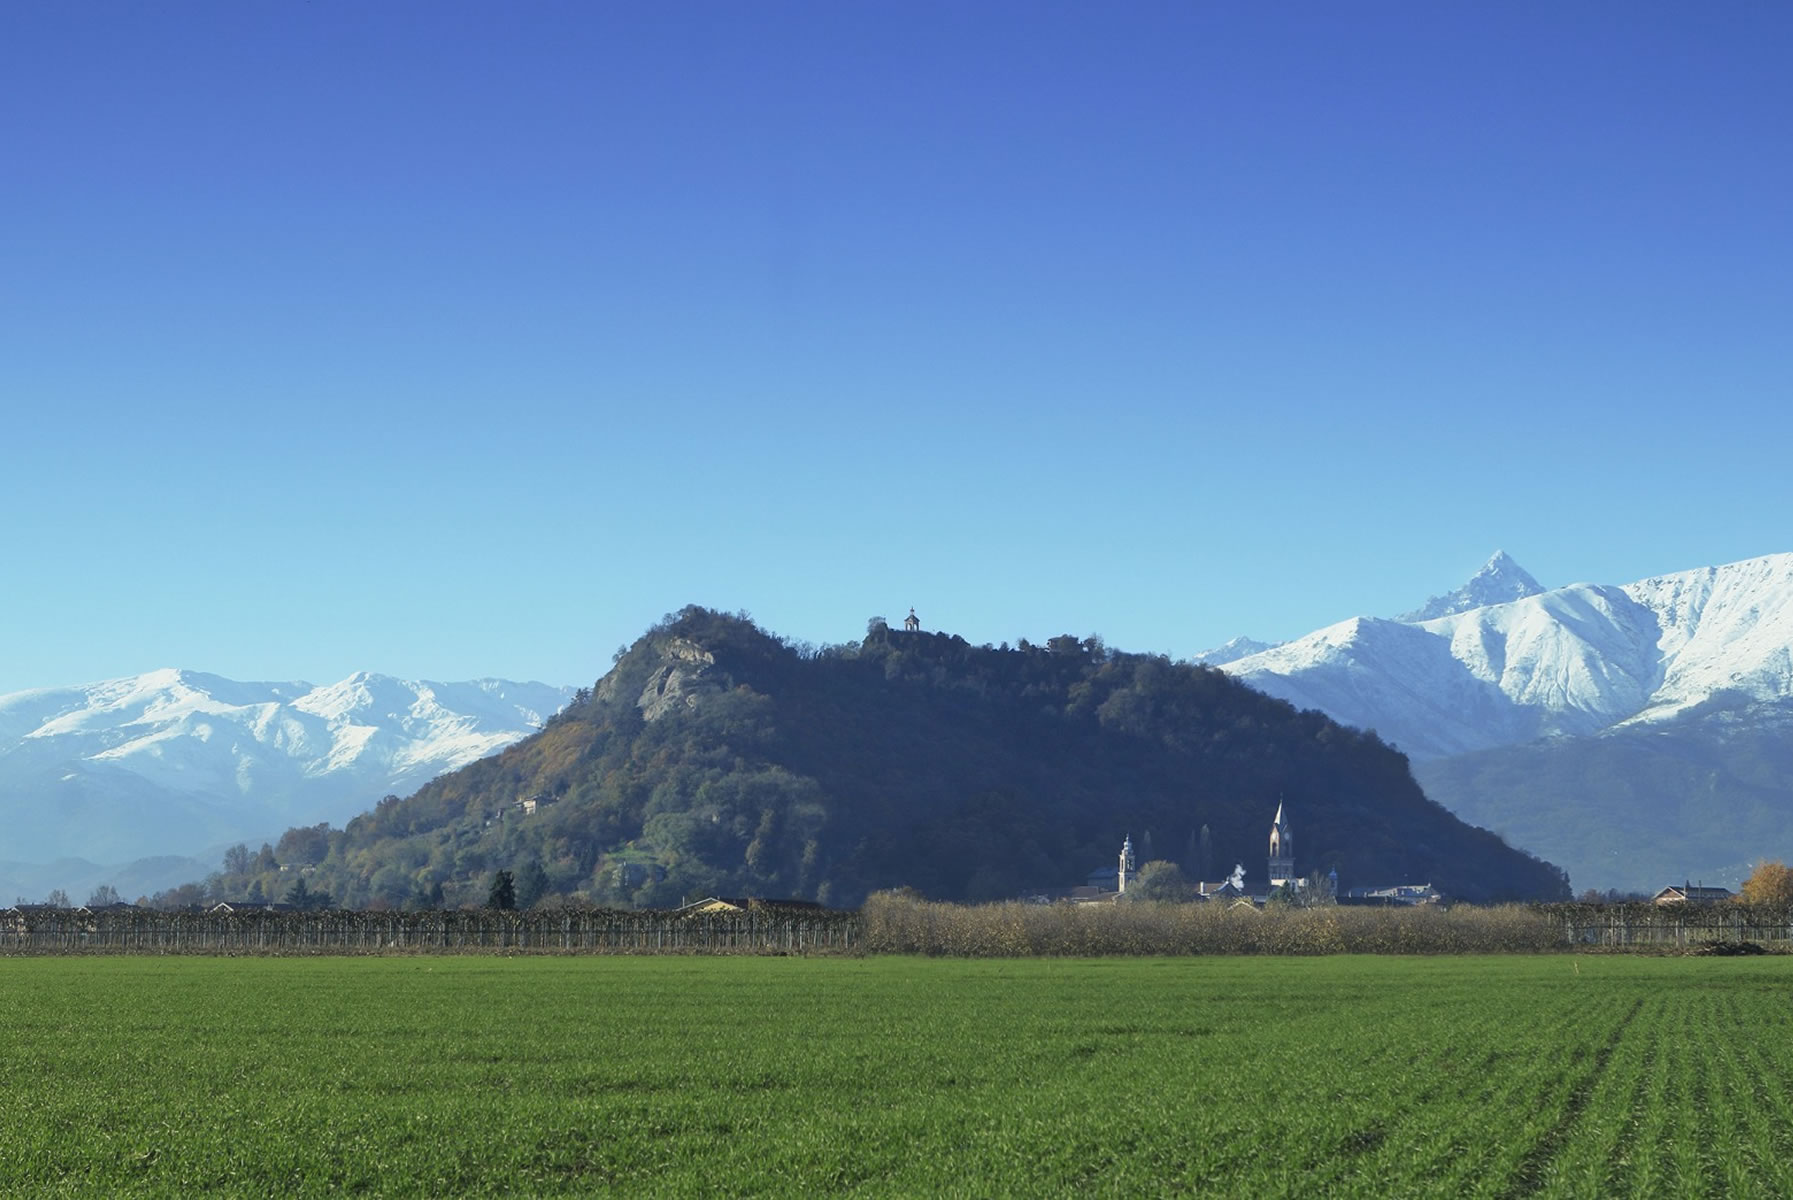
(454, 340)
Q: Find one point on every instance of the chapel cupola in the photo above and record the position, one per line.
(911, 623)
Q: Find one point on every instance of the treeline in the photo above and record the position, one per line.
(898, 924)
(280, 873)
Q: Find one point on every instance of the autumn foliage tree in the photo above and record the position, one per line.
(1770, 883)
(1160, 880)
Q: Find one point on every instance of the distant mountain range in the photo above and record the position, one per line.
(1630, 733)
(1636, 734)
(171, 762)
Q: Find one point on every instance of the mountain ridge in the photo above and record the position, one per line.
(1569, 661)
(170, 760)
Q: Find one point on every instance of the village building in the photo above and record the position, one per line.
(735, 904)
(1232, 888)
(1691, 894)
(1393, 894)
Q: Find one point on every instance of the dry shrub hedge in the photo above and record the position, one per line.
(899, 924)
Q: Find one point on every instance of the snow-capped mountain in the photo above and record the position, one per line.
(1500, 580)
(1572, 661)
(172, 761)
(1629, 733)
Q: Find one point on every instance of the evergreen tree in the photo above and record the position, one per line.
(532, 884)
(503, 895)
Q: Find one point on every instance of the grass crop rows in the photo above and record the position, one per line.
(1492, 1077)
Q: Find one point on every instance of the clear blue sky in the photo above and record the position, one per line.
(451, 340)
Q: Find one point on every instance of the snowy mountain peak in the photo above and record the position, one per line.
(1233, 651)
(1499, 581)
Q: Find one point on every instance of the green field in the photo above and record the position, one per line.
(1492, 1076)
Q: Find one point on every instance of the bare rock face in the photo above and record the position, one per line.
(687, 671)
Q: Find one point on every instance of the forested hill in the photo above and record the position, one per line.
(717, 759)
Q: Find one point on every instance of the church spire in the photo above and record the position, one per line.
(1282, 850)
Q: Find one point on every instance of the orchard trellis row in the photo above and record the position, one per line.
(890, 924)
(567, 931)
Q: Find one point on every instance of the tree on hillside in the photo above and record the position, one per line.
(238, 860)
(310, 844)
(1770, 883)
(503, 895)
(301, 896)
(532, 884)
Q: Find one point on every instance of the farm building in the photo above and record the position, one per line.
(1689, 893)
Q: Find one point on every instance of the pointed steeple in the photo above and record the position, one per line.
(1282, 849)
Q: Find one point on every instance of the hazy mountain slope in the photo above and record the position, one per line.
(170, 761)
(78, 878)
(1642, 805)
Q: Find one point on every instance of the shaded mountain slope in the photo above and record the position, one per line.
(1697, 799)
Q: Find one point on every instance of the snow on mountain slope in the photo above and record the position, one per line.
(1572, 661)
(171, 760)
(1722, 630)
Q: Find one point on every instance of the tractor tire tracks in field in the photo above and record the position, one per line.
(1529, 1176)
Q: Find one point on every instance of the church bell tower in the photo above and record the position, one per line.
(1282, 851)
